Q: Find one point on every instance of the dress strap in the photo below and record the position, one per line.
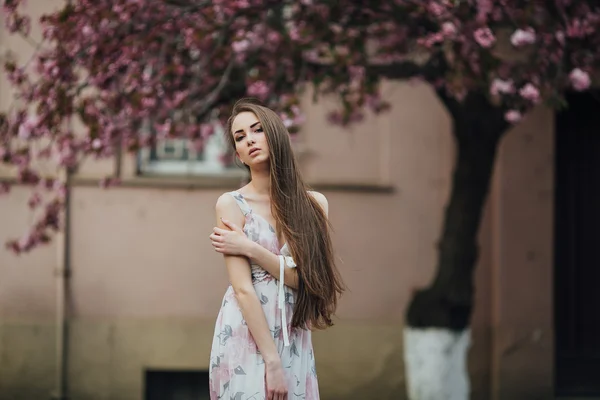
(289, 262)
(241, 201)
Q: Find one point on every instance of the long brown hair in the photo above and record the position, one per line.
(301, 220)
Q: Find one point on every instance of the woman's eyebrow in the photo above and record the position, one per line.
(251, 126)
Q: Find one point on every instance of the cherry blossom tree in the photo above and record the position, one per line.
(132, 72)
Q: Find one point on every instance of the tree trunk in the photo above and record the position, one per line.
(437, 335)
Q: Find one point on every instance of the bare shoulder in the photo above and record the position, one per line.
(227, 207)
(320, 197)
(225, 201)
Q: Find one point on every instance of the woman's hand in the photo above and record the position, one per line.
(276, 383)
(232, 241)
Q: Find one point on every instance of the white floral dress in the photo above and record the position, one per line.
(237, 370)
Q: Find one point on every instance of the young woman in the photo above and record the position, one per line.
(274, 236)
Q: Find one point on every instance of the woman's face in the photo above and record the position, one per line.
(250, 140)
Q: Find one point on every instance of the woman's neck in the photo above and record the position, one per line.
(261, 182)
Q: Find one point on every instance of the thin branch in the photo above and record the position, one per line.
(430, 71)
(214, 94)
(397, 70)
(189, 5)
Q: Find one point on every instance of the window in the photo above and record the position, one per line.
(178, 157)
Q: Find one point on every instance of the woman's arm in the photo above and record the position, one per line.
(270, 262)
(240, 278)
(233, 241)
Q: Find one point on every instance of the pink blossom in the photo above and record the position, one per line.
(530, 92)
(96, 144)
(484, 8)
(26, 128)
(357, 73)
(501, 86)
(4, 188)
(21, 160)
(448, 28)
(258, 89)
(17, 76)
(485, 37)
(335, 117)
(336, 28)
(578, 29)
(287, 121)
(87, 30)
(26, 242)
(60, 188)
(522, 37)
(240, 46)
(243, 3)
(148, 102)
(298, 119)
(24, 133)
(342, 51)
(513, 116)
(432, 39)
(27, 176)
(435, 8)
(580, 79)
(273, 37)
(377, 104)
(45, 184)
(34, 200)
(312, 55)
(293, 31)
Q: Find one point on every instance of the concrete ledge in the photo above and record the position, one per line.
(217, 182)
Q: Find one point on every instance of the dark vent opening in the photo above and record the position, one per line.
(176, 385)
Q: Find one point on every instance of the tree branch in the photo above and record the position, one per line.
(189, 4)
(434, 69)
(214, 94)
(431, 71)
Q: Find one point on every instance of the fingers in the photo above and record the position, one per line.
(281, 395)
(216, 238)
(217, 242)
(231, 225)
(220, 231)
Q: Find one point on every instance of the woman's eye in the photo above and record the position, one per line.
(259, 130)
(239, 138)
